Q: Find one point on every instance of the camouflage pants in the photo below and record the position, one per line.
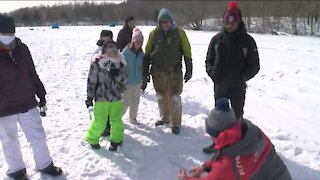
(168, 86)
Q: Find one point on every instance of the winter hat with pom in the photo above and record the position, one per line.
(136, 35)
(7, 24)
(232, 13)
(220, 118)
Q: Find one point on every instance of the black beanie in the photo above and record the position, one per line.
(7, 24)
(130, 18)
(106, 33)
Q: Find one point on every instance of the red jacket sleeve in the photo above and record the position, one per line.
(221, 169)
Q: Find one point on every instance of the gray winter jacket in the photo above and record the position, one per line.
(102, 85)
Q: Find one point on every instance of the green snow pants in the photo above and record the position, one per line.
(101, 112)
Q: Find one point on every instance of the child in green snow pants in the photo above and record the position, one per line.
(101, 112)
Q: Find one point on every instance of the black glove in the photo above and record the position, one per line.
(89, 102)
(146, 67)
(100, 42)
(144, 85)
(42, 102)
(123, 88)
(188, 74)
(147, 78)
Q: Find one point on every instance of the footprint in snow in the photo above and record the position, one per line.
(283, 137)
(297, 151)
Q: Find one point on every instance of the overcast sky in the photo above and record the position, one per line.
(7, 6)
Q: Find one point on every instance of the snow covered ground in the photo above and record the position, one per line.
(283, 100)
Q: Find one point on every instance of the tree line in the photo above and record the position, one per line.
(296, 17)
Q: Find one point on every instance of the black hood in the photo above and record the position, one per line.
(240, 30)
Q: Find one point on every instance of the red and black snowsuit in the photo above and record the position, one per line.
(244, 152)
(232, 59)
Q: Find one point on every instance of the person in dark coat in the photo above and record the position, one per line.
(243, 150)
(232, 59)
(19, 85)
(125, 34)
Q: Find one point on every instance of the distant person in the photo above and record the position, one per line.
(19, 85)
(125, 34)
(243, 151)
(134, 56)
(232, 60)
(166, 45)
(104, 86)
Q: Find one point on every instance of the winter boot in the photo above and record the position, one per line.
(19, 175)
(114, 146)
(106, 132)
(175, 130)
(159, 123)
(209, 149)
(95, 146)
(52, 170)
(134, 121)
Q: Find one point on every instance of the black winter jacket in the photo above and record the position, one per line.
(232, 58)
(19, 81)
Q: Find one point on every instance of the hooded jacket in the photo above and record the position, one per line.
(134, 66)
(232, 58)
(245, 152)
(166, 48)
(102, 85)
(19, 81)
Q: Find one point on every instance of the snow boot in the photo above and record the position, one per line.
(19, 175)
(175, 130)
(51, 170)
(134, 121)
(95, 146)
(209, 149)
(114, 146)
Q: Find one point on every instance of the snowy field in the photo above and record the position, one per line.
(283, 100)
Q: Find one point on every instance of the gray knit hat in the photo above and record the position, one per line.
(220, 118)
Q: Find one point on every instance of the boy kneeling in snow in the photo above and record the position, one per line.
(106, 80)
(19, 83)
(243, 151)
